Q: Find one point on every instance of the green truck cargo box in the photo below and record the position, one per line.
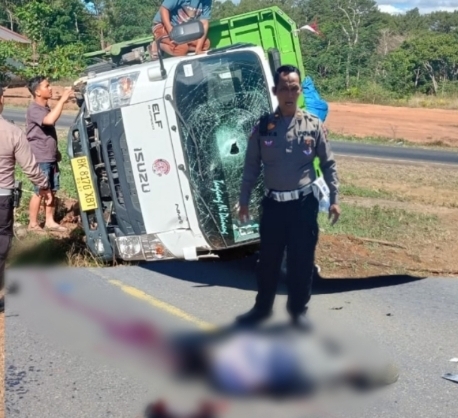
(269, 28)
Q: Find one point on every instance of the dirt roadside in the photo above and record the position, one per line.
(410, 209)
(423, 126)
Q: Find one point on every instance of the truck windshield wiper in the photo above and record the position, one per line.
(191, 134)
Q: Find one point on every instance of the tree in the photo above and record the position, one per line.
(343, 56)
(223, 9)
(32, 16)
(444, 22)
(7, 13)
(359, 26)
(122, 20)
(129, 19)
(413, 22)
(70, 23)
(431, 60)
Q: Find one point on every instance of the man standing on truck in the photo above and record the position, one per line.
(286, 142)
(14, 147)
(175, 12)
(42, 135)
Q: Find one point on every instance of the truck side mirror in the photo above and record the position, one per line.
(187, 32)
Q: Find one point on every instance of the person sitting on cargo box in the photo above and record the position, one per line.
(42, 136)
(175, 12)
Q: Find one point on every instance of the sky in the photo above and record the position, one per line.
(425, 6)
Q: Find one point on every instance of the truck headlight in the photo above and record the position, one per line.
(122, 88)
(142, 247)
(111, 93)
(130, 248)
(99, 98)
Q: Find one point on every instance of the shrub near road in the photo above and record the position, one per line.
(396, 219)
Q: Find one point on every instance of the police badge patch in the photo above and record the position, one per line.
(308, 143)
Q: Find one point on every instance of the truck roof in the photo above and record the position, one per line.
(169, 62)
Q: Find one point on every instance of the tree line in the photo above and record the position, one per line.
(362, 53)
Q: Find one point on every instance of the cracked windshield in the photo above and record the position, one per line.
(220, 99)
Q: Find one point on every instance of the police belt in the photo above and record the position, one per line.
(290, 194)
(5, 192)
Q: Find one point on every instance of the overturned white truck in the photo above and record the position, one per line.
(158, 148)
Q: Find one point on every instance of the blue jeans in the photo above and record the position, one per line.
(51, 171)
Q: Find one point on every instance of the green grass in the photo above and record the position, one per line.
(43, 248)
(67, 183)
(356, 191)
(381, 223)
(48, 250)
(381, 140)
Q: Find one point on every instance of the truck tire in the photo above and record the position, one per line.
(274, 57)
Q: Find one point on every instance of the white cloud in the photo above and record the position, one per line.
(388, 8)
(425, 6)
(401, 6)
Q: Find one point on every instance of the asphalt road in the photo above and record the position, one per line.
(59, 364)
(339, 147)
(18, 116)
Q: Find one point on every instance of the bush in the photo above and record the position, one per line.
(60, 62)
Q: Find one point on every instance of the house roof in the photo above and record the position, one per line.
(9, 35)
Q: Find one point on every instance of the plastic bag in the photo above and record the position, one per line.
(322, 194)
(313, 101)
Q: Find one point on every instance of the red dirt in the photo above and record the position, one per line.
(411, 124)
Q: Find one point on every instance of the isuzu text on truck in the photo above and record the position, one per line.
(158, 147)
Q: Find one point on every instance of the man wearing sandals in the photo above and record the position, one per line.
(14, 147)
(42, 136)
(175, 12)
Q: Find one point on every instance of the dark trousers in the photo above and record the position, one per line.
(293, 225)
(6, 233)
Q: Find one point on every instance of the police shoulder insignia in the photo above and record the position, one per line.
(270, 126)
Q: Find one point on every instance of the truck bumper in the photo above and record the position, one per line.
(97, 237)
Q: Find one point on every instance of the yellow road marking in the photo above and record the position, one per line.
(173, 310)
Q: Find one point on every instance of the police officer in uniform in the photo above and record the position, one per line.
(286, 143)
(14, 147)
